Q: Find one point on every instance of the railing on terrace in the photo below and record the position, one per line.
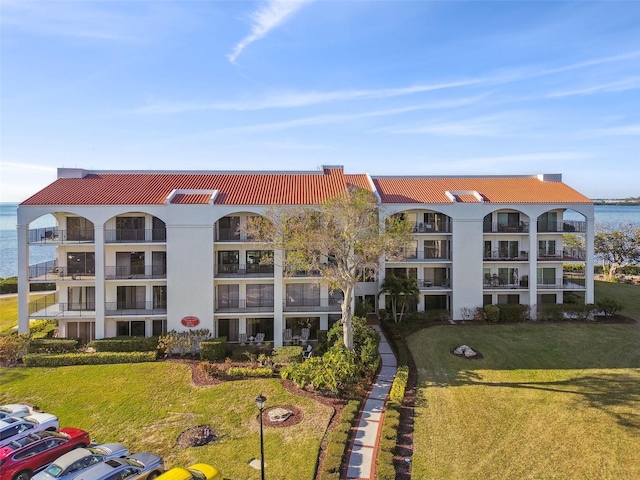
(135, 235)
(422, 255)
(133, 272)
(443, 227)
(506, 227)
(301, 273)
(501, 255)
(502, 282)
(324, 304)
(243, 270)
(45, 309)
(244, 306)
(43, 303)
(55, 235)
(434, 284)
(568, 226)
(575, 254)
(135, 308)
(51, 272)
(231, 235)
(564, 283)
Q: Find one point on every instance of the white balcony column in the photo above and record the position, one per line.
(99, 282)
(23, 278)
(589, 295)
(533, 269)
(278, 298)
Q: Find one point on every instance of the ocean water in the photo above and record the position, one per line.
(605, 216)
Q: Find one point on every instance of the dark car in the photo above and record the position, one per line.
(21, 458)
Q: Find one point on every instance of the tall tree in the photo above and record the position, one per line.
(341, 239)
(400, 290)
(618, 247)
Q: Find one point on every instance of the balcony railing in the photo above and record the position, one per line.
(231, 235)
(56, 236)
(235, 270)
(135, 308)
(505, 227)
(442, 227)
(568, 226)
(564, 283)
(504, 282)
(48, 308)
(424, 255)
(51, 272)
(133, 272)
(505, 255)
(135, 235)
(434, 284)
(574, 254)
(301, 273)
(244, 306)
(324, 304)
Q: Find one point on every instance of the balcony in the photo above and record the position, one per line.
(323, 304)
(136, 235)
(442, 227)
(135, 272)
(135, 308)
(244, 306)
(54, 236)
(235, 271)
(571, 255)
(51, 272)
(505, 255)
(502, 282)
(505, 227)
(423, 255)
(568, 226)
(567, 282)
(434, 284)
(231, 235)
(301, 273)
(49, 308)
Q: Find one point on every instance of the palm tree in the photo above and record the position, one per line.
(401, 290)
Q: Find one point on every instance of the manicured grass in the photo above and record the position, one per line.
(546, 402)
(628, 295)
(9, 311)
(146, 407)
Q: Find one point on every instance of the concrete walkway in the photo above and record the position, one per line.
(364, 448)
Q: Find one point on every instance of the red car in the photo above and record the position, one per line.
(21, 458)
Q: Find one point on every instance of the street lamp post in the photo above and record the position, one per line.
(260, 401)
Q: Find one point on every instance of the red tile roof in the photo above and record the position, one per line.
(491, 189)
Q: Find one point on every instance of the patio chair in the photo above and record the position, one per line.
(242, 338)
(308, 353)
(304, 336)
(259, 338)
(287, 338)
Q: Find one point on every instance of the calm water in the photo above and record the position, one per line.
(604, 215)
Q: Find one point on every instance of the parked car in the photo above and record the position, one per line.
(139, 466)
(198, 471)
(21, 458)
(76, 461)
(12, 428)
(16, 410)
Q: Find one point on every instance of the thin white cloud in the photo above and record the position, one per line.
(624, 130)
(487, 126)
(626, 84)
(270, 15)
(26, 166)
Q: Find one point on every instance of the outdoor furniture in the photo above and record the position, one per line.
(242, 338)
(304, 336)
(259, 338)
(287, 338)
(308, 353)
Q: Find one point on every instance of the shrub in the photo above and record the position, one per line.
(513, 313)
(182, 342)
(287, 355)
(492, 312)
(99, 358)
(250, 372)
(43, 328)
(213, 349)
(336, 371)
(399, 384)
(609, 306)
(338, 441)
(53, 345)
(388, 440)
(13, 347)
(124, 344)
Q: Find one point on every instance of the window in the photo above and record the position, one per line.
(229, 228)
(508, 249)
(259, 261)
(508, 221)
(435, 302)
(548, 222)
(81, 263)
(260, 325)
(508, 276)
(86, 331)
(547, 298)
(131, 297)
(159, 264)
(129, 264)
(546, 248)
(228, 261)
(260, 295)
(158, 327)
(129, 228)
(134, 328)
(508, 299)
(79, 229)
(367, 275)
(81, 298)
(486, 300)
(303, 294)
(228, 327)
(401, 272)
(159, 297)
(436, 249)
(487, 249)
(159, 232)
(546, 276)
(228, 296)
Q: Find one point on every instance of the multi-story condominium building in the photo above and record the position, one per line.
(144, 252)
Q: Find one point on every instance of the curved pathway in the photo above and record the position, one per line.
(362, 455)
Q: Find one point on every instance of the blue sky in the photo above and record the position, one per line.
(385, 87)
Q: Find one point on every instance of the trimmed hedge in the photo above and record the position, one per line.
(399, 384)
(53, 345)
(287, 355)
(338, 441)
(213, 349)
(564, 312)
(125, 344)
(513, 313)
(250, 372)
(99, 358)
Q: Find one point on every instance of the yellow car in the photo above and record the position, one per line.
(198, 471)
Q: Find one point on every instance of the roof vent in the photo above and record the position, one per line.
(72, 172)
(464, 196)
(550, 177)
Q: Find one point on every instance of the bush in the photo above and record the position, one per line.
(250, 372)
(124, 344)
(213, 349)
(388, 440)
(399, 384)
(13, 347)
(99, 358)
(492, 312)
(44, 328)
(287, 355)
(336, 371)
(609, 306)
(338, 441)
(182, 343)
(513, 313)
(9, 285)
(53, 345)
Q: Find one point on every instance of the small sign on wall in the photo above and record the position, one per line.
(190, 321)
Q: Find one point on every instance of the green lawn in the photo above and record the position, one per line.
(9, 311)
(627, 295)
(546, 402)
(146, 407)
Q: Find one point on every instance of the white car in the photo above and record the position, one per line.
(12, 428)
(17, 410)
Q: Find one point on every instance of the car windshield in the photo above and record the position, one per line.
(134, 462)
(197, 474)
(54, 470)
